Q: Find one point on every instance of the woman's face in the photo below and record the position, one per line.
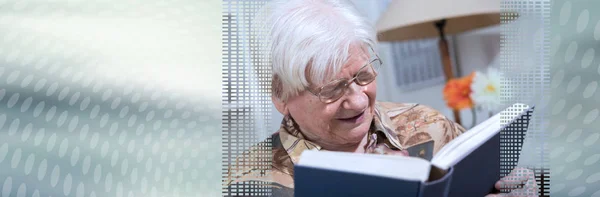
(343, 122)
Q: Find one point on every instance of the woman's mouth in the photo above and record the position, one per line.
(356, 119)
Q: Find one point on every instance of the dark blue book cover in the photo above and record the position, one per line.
(316, 182)
(477, 173)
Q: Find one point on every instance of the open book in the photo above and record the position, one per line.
(469, 165)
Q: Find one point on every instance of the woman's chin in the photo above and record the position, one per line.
(356, 134)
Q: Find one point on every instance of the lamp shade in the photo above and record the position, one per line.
(415, 19)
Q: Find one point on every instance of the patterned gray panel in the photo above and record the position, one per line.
(525, 79)
(573, 105)
(99, 98)
(246, 96)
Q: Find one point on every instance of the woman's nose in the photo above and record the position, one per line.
(355, 98)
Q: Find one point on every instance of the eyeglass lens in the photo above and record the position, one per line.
(336, 89)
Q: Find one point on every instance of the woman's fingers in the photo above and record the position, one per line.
(517, 178)
(521, 182)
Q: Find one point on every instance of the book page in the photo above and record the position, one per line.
(466, 137)
(466, 143)
(397, 167)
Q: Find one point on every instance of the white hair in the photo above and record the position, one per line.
(311, 38)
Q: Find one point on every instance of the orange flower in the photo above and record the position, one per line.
(457, 92)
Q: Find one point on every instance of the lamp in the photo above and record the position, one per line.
(420, 19)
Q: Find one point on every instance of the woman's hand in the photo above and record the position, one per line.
(521, 181)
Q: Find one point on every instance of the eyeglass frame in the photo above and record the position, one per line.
(348, 82)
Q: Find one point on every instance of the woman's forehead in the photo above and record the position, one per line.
(357, 57)
(356, 60)
(349, 68)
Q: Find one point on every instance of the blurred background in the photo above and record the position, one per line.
(110, 98)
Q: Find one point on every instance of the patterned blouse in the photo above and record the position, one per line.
(395, 127)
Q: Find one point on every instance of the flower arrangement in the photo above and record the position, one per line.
(457, 92)
(477, 90)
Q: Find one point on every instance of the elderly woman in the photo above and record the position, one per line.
(324, 83)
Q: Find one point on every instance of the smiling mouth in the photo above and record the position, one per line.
(355, 119)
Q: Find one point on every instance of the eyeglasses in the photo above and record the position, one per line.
(334, 90)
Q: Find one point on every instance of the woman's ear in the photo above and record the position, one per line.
(280, 105)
